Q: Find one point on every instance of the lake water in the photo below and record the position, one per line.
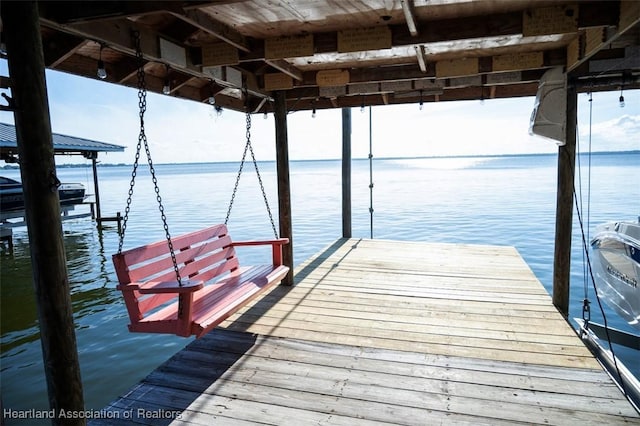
(487, 200)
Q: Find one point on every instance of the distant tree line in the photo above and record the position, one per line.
(67, 166)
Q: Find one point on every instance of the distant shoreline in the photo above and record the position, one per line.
(64, 166)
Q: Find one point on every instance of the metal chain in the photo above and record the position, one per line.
(249, 148)
(235, 188)
(142, 139)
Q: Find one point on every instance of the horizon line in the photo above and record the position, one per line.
(79, 165)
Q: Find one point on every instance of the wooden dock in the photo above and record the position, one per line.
(387, 332)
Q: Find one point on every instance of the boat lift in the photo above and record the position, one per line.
(62, 145)
(595, 336)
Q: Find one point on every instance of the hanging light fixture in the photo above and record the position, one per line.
(421, 101)
(621, 98)
(211, 100)
(362, 104)
(102, 72)
(166, 89)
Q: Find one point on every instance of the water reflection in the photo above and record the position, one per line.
(481, 204)
(19, 317)
(89, 280)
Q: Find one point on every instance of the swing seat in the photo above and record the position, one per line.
(214, 285)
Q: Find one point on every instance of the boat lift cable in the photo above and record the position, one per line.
(586, 304)
(586, 311)
(370, 175)
(593, 282)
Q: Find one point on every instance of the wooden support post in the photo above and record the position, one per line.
(94, 166)
(35, 146)
(564, 207)
(284, 187)
(346, 173)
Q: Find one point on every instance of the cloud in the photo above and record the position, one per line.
(617, 134)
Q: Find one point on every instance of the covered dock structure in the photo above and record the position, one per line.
(284, 56)
(62, 145)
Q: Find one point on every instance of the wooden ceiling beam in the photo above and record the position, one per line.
(551, 58)
(433, 32)
(285, 67)
(121, 69)
(59, 47)
(179, 82)
(156, 84)
(459, 29)
(428, 87)
(211, 90)
(123, 72)
(85, 66)
(422, 58)
(409, 16)
(204, 22)
(599, 13)
(198, 4)
(227, 34)
(67, 12)
(74, 12)
(464, 93)
(470, 27)
(116, 34)
(503, 64)
(630, 10)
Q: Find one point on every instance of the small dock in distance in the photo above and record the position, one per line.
(387, 332)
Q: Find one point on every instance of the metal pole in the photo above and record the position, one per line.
(42, 205)
(370, 174)
(94, 157)
(346, 173)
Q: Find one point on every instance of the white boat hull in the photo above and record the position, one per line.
(616, 267)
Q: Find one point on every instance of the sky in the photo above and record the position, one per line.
(182, 131)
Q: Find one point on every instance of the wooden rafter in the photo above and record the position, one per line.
(418, 39)
(204, 22)
(407, 9)
(285, 67)
(116, 33)
(67, 12)
(60, 47)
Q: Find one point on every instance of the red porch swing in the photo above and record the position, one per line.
(157, 297)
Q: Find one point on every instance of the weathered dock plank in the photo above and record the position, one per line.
(384, 332)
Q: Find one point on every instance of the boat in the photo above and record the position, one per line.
(12, 197)
(616, 266)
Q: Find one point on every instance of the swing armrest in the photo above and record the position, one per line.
(153, 287)
(278, 241)
(276, 247)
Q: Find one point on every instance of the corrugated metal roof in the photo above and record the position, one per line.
(61, 143)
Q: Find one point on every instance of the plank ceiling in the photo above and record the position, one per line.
(346, 53)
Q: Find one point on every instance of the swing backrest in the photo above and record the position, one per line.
(201, 256)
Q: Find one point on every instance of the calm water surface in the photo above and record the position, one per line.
(485, 200)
